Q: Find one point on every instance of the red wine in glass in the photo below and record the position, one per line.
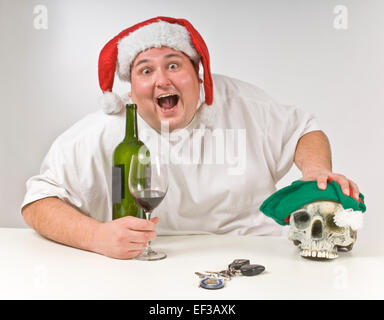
(148, 199)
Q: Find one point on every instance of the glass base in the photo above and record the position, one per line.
(149, 255)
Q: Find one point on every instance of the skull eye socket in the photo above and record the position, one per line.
(301, 219)
(332, 225)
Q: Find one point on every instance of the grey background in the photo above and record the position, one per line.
(291, 49)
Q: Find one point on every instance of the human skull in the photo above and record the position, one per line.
(314, 231)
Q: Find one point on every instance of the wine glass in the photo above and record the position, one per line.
(148, 184)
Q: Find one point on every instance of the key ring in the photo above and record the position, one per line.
(212, 283)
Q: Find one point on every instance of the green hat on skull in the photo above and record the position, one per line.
(283, 202)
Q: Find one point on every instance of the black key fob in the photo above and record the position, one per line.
(251, 269)
(238, 263)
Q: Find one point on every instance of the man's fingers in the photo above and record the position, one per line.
(141, 236)
(134, 223)
(355, 189)
(155, 220)
(348, 187)
(322, 182)
(126, 237)
(137, 246)
(131, 254)
(343, 182)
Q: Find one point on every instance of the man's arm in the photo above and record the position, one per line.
(313, 158)
(56, 220)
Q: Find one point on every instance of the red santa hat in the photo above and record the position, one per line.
(119, 53)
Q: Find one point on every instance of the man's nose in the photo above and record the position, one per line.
(162, 78)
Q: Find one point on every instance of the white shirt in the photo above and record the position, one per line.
(238, 148)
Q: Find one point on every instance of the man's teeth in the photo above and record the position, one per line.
(166, 95)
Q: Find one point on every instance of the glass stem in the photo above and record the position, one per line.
(148, 249)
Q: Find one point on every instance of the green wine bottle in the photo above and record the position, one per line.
(122, 201)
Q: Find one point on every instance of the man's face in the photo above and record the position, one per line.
(165, 87)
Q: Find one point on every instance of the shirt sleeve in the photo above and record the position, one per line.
(285, 126)
(57, 177)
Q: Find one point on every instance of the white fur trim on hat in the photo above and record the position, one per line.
(349, 218)
(111, 103)
(154, 35)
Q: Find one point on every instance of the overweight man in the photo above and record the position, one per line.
(230, 143)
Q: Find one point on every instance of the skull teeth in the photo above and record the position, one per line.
(318, 254)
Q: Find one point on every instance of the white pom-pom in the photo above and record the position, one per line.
(207, 114)
(111, 103)
(349, 218)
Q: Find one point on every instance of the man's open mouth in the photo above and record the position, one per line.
(168, 101)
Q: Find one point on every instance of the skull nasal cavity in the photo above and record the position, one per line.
(317, 230)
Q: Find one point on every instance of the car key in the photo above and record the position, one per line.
(251, 269)
(221, 274)
(237, 264)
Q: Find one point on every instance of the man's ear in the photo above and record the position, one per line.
(130, 94)
(196, 66)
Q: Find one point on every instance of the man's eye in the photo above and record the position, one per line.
(173, 66)
(145, 71)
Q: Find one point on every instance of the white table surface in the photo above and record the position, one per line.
(32, 267)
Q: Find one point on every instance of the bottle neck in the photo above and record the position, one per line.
(131, 122)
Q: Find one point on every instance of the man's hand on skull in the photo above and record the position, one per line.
(348, 187)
